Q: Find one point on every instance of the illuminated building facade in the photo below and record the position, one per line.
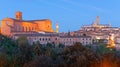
(18, 25)
(100, 31)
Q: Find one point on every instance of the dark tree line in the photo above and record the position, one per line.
(20, 54)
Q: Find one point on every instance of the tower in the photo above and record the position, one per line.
(19, 15)
(97, 20)
(57, 28)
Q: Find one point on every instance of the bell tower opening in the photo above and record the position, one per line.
(19, 15)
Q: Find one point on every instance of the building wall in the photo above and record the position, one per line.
(117, 40)
(70, 41)
(44, 25)
(55, 39)
(29, 27)
(10, 25)
(7, 26)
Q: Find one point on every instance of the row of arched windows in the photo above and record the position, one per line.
(26, 29)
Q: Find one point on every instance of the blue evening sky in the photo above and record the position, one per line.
(70, 14)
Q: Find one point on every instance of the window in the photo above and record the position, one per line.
(86, 42)
(22, 28)
(55, 38)
(29, 29)
(32, 28)
(40, 39)
(49, 39)
(46, 39)
(35, 38)
(26, 28)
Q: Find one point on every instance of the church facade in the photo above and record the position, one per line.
(18, 25)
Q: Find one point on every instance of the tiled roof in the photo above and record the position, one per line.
(75, 36)
(49, 34)
(36, 34)
(28, 20)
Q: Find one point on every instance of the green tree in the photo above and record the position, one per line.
(22, 40)
(79, 56)
(37, 48)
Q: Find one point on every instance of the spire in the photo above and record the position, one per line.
(57, 28)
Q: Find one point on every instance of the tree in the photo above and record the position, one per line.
(3, 60)
(79, 56)
(22, 40)
(37, 48)
(61, 45)
(49, 45)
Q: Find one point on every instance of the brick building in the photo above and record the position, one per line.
(11, 25)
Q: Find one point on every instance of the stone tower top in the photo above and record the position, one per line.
(97, 20)
(19, 15)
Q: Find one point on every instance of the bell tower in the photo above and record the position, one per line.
(57, 28)
(19, 15)
(97, 20)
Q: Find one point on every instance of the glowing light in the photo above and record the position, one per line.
(111, 41)
(97, 37)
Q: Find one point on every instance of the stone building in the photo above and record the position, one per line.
(70, 40)
(11, 25)
(55, 38)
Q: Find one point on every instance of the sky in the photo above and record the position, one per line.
(69, 14)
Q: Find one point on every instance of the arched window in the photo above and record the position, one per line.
(18, 28)
(32, 29)
(29, 29)
(22, 28)
(26, 29)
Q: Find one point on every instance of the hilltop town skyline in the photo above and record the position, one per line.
(97, 19)
(59, 33)
(70, 15)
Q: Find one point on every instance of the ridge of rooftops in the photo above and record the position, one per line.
(28, 20)
(50, 35)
